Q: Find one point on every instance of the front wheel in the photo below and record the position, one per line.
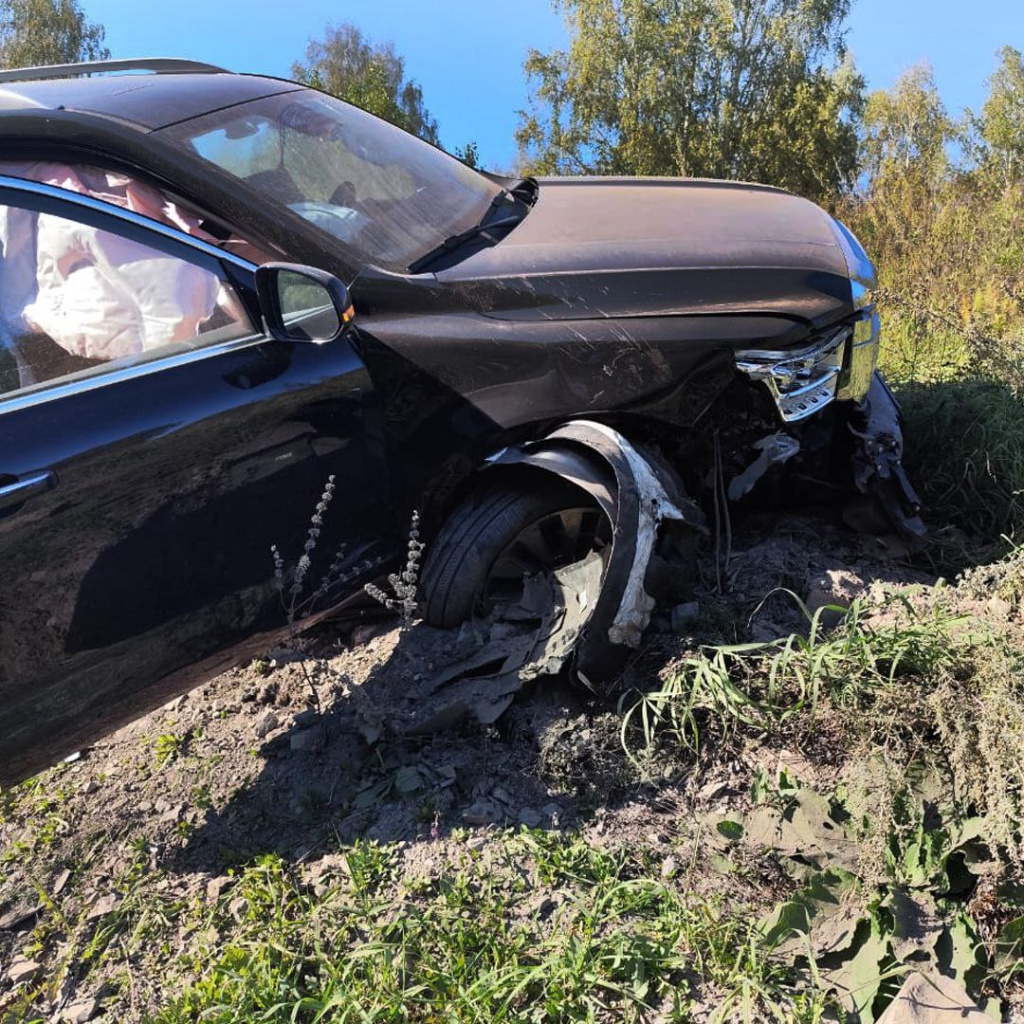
(508, 529)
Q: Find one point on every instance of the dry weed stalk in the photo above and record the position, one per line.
(291, 584)
(404, 584)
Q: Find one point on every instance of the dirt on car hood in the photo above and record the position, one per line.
(613, 247)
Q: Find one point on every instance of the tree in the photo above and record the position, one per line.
(347, 65)
(749, 89)
(469, 154)
(907, 130)
(48, 32)
(1002, 117)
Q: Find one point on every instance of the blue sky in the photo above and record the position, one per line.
(468, 54)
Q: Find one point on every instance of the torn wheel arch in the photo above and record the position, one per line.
(639, 493)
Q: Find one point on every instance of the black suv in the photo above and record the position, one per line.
(217, 291)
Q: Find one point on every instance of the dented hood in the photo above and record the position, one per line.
(613, 247)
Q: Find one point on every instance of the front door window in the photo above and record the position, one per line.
(76, 300)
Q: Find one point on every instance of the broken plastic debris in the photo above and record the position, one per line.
(774, 450)
(638, 495)
(549, 616)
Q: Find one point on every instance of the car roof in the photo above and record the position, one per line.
(147, 101)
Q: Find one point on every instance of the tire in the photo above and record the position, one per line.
(477, 536)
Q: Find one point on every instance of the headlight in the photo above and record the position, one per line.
(803, 381)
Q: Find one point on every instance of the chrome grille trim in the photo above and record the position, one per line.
(801, 382)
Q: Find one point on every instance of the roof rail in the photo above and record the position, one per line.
(158, 65)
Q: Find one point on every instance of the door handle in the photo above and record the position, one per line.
(28, 486)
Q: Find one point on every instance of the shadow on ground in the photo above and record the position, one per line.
(349, 772)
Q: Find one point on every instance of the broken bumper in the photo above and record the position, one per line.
(877, 461)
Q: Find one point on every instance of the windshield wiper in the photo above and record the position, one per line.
(454, 241)
(523, 193)
(524, 189)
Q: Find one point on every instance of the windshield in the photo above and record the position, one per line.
(387, 195)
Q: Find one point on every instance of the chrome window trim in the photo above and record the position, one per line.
(24, 400)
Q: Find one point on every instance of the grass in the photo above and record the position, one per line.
(760, 687)
(922, 703)
(963, 405)
(532, 926)
(965, 452)
(474, 943)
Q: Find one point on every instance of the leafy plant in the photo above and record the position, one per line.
(169, 746)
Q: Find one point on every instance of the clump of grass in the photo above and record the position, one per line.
(979, 725)
(919, 352)
(760, 687)
(1003, 580)
(965, 453)
(169, 746)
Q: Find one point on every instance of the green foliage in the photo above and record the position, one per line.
(759, 687)
(948, 240)
(1002, 125)
(965, 452)
(372, 76)
(749, 89)
(948, 249)
(855, 935)
(36, 32)
(169, 746)
(469, 154)
(473, 943)
(919, 851)
(906, 131)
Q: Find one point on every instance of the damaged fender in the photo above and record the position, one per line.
(877, 461)
(639, 496)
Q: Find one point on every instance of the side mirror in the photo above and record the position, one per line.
(302, 304)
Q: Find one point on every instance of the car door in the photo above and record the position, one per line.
(154, 444)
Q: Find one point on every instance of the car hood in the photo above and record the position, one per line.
(614, 247)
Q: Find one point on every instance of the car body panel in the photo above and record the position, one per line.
(518, 374)
(625, 247)
(607, 224)
(148, 101)
(153, 552)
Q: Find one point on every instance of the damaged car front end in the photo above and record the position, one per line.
(841, 367)
(743, 418)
